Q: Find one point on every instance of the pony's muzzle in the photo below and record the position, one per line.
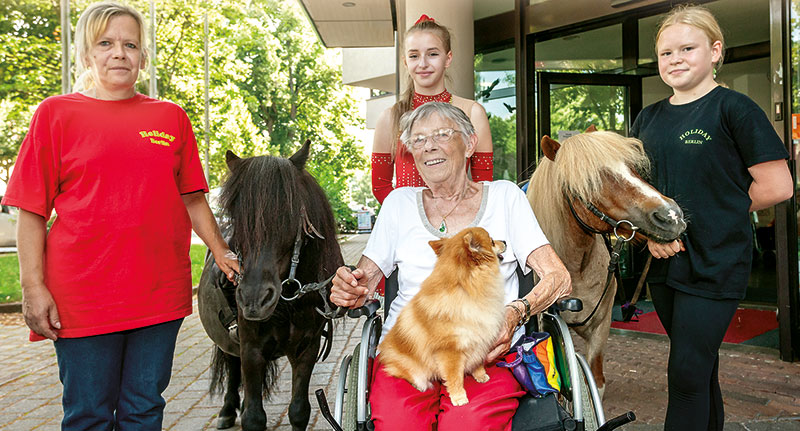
(669, 218)
(257, 304)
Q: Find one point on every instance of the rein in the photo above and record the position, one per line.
(614, 252)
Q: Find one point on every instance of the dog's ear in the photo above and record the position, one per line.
(437, 245)
(473, 243)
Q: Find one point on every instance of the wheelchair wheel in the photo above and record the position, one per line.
(351, 394)
(589, 407)
(341, 388)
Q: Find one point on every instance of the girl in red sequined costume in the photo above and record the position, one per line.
(427, 56)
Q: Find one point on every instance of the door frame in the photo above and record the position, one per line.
(633, 94)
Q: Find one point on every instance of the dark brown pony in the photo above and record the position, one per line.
(599, 169)
(269, 202)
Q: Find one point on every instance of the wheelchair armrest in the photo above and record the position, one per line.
(567, 304)
(368, 309)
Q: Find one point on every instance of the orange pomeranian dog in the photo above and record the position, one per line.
(449, 327)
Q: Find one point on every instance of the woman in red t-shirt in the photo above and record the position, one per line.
(426, 56)
(110, 283)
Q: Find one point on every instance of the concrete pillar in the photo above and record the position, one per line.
(457, 16)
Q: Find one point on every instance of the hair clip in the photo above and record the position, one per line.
(424, 18)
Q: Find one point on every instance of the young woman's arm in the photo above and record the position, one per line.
(481, 162)
(382, 157)
(772, 184)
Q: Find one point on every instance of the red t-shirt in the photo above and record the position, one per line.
(117, 256)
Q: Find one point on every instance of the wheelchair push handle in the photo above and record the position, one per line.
(368, 309)
(568, 304)
(618, 422)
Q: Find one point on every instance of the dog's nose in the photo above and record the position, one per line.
(500, 247)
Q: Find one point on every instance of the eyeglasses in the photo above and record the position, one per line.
(441, 135)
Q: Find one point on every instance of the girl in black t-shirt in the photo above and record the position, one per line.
(716, 153)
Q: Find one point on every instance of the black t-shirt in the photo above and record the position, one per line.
(700, 153)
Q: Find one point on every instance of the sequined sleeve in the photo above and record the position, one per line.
(382, 173)
(482, 164)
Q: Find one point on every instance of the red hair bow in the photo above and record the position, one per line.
(424, 18)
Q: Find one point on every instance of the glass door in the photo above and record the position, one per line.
(571, 102)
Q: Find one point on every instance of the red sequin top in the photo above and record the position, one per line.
(406, 171)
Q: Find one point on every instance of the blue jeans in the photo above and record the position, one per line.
(114, 381)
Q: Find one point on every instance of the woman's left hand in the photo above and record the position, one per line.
(228, 262)
(503, 343)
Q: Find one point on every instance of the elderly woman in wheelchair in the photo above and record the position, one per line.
(441, 139)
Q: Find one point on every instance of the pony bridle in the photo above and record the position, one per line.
(603, 217)
(309, 230)
(614, 251)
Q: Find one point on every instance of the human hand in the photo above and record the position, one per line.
(228, 263)
(553, 286)
(40, 311)
(349, 287)
(663, 251)
(506, 335)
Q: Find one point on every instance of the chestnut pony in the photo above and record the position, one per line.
(589, 176)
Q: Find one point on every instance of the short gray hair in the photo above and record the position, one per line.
(445, 110)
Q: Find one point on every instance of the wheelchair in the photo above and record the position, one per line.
(577, 407)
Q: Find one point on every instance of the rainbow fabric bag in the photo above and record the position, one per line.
(533, 364)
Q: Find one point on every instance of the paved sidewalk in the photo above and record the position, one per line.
(761, 392)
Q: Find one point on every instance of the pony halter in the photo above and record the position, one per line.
(614, 251)
(300, 289)
(603, 217)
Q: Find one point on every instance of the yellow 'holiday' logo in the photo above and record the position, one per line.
(157, 137)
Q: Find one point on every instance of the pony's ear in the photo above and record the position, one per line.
(299, 158)
(232, 160)
(550, 147)
(591, 129)
(437, 245)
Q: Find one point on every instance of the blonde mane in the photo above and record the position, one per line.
(579, 168)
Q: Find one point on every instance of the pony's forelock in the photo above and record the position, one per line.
(255, 212)
(583, 159)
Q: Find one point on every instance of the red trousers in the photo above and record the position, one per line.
(396, 405)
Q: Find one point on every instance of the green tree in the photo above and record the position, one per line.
(30, 68)
(504, 141)
(576, 107)
(30, 57)
(272, 84)
(293, 91)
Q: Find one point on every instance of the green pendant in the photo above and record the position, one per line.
(443, 227)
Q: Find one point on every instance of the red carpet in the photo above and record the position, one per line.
(746, 324)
